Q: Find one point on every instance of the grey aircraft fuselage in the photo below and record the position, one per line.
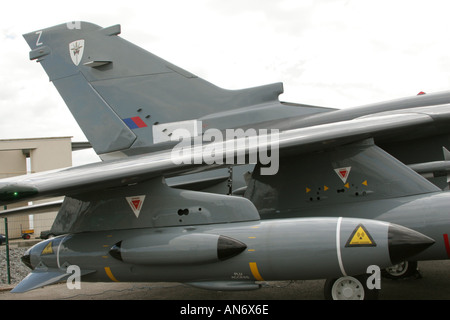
(317, 217)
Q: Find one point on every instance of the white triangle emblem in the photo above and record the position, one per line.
(76, 50)
(343, 173)
(136, 204)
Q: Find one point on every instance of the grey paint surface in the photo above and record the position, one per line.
(293, 235)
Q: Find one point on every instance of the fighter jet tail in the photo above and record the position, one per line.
(122, 95)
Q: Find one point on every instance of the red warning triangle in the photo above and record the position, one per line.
(343, 173)
(136, 204)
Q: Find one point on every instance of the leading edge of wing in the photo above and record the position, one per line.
(131, 170)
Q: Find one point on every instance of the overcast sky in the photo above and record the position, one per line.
(333, 53)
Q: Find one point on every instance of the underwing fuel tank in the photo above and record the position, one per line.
(233, 254)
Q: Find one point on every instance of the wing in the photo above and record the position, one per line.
(122, 96)
(181, 160)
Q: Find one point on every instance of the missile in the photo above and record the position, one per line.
(229, 255)
(156, 249)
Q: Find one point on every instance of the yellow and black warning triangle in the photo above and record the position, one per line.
(360, 237)
(48, 249)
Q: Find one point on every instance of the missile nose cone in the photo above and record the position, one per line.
(26, 259)
(404, 242)
(115, 251)
(228, 248)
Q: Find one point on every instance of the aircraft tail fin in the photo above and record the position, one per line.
(119, 92)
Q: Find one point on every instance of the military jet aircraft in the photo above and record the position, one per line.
(328, 194)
